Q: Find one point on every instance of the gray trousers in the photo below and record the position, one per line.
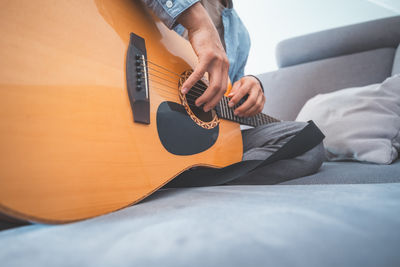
(261, 142)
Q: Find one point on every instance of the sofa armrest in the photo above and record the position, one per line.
(339, 41)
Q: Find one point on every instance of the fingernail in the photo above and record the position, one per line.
(231, 94)
(198, 104)
(231, 104)
(236, 113)
(184, 90)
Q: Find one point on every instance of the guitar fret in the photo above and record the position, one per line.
(231, 115)
(263, 119)
(226, 108)
(224, 111)
(266, 119)
(222, 108)
(228, 114)
(259, 119)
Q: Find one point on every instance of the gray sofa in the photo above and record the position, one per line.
(345, 215)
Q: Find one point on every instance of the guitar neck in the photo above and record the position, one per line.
(225, 112)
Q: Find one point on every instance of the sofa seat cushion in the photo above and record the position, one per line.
(317, 225)
(352, 173)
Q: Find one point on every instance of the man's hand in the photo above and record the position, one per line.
(255, 101)
(207, 45)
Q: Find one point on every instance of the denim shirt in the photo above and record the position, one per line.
(237, 40)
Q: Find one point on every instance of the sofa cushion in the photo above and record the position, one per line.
(360, 123)
(396, 62)
(310, 226)
(351, 173)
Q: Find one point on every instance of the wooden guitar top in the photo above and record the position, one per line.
(69, 146)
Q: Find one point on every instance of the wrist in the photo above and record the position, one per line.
(255, 77)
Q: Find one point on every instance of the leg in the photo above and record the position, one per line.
(261, 142)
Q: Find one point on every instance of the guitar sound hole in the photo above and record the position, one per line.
(198, 111)
(207, 120)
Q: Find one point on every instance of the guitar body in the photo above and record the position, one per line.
(69, 147)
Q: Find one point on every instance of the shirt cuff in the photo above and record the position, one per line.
(172, 9)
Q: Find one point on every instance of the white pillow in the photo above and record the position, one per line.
(361, 123)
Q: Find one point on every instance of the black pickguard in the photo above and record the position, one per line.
(179, 134)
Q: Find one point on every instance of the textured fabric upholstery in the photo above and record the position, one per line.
(294, 85)
(396, 62)
(318, 225)
(339, 41)
(351, 173)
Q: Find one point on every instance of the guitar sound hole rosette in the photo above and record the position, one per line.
(206, 120)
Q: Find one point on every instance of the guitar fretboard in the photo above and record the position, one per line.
(225, 112)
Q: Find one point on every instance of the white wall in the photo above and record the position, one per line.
(270, 21)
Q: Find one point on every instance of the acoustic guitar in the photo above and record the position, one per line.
(92, 119)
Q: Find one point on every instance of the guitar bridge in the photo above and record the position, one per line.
(137, 79)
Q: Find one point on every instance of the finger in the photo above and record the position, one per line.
(235, 88)
(209, 93)
(214, 93)
(222, 89)
(219, 75)
(197, 74)
(256, 108)
(251, 100)
(217, 97)
(241, 92)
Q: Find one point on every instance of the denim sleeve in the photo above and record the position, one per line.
(169, 10)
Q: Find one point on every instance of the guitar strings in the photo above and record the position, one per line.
(190, 93)
(174, 73)
(201, 88)
(176, 91)
(192, 106)
(154, 75)
(198, 86)
(196, 93)
(190, 96)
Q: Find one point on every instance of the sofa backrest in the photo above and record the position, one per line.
(345, 40)
(288, 89)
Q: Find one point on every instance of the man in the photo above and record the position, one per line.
(221, 43)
